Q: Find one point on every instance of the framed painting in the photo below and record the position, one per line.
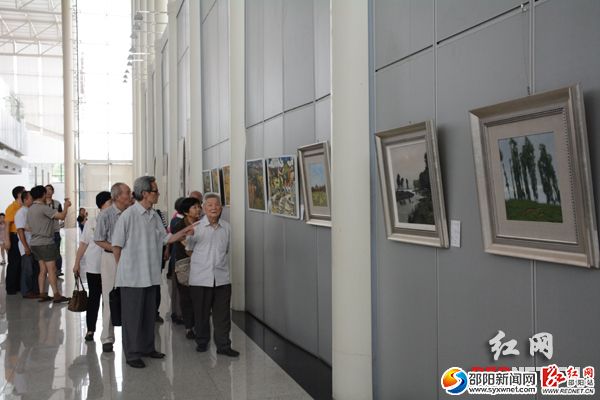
(411, 185)
(256, 184)
(534, 178)
(206, 181)
(316, 183)
(225, 171)
(216, 181)
(283, 186)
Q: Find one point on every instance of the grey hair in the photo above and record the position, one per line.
(142, 184)
(212, 195)
(116, 190)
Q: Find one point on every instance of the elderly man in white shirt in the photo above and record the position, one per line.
(137, 241)
(210, 285)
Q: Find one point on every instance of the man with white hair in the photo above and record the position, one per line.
(137, 242)
(105, 225)
(210, 284)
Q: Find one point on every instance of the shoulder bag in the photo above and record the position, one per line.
(182, 270)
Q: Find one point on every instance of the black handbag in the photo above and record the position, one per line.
(78, 303)
(114, 300)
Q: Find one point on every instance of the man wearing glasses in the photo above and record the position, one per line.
(137, 243)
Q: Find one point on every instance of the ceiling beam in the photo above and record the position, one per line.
(28, 11)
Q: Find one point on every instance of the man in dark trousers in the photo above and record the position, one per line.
(13, 270)
(210, 283)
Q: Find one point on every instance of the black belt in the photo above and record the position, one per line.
(108, 251)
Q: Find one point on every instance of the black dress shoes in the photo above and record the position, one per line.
(107, 347)
(201, 348)
(229, 352)
(137, 363)
(155, 354)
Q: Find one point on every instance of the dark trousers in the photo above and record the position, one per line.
(30, 269)
(185, 303)
(93, 305)
(217, 299)
(13, 270)
(57, 240)
(138, 311)
(157, 299)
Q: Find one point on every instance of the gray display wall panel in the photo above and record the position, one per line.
(254, 281)
(254, 142)
(210, 80)
(405, 92)
(299, 128)
(401, 28)
(273, 58)
(298, 53)
(273, 129)
(223, 69)
(324, 291)
(441, 306)
(492, 293)
(289, 43)
(566, 54)
(254, 62)
(323, 119)
(458, 15)
(322, 48)
(407, 315)
(205, 7)
(301, 284)
(275, 295)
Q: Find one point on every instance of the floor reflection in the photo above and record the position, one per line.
(44, 356)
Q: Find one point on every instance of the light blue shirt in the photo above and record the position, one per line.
(209, 265)
(141, 235)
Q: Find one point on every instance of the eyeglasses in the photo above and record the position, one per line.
(153, 191)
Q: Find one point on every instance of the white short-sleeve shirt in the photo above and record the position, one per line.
(141, 235)
(209, 265)
(21, 223)
(93, 254)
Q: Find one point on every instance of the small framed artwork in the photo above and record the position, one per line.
(411, 185)
(283, 186)
(206, 181)
(316, 183)
(226, 185)
(534, 178)
(256, 184)
(216, 181)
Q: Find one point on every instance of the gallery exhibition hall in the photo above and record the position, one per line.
(296, 199)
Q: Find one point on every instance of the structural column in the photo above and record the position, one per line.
(69, 147)
(351, 222)
(238, 151)
(173, 161)
(195, 139)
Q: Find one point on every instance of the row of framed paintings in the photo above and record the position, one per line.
(533, 174)
(272, 184)
(217, 180)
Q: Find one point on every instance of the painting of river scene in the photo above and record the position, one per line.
(531, 181)
(407, 162)
(283, 186)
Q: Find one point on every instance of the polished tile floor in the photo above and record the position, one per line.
(43, 356)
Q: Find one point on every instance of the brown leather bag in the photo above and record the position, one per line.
(78, 302)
